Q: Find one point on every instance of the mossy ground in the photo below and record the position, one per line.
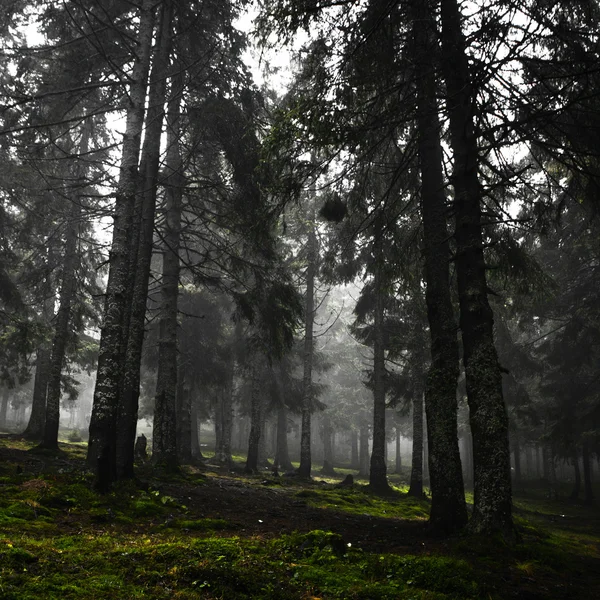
(205, 533)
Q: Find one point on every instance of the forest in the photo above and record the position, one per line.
(299, 299)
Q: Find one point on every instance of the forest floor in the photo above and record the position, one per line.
(211, 533)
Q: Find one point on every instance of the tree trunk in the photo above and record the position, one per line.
(363, 450)
(309, 314)
(550, 469)
(37, 418)
(184, 421)
(327, 446)
(164, 445)
(398, 464)
(282, 458)
(225, 418)
(517, 458)
(577, 472)
(528, 461)
(255, 421)
(263, 453)
(448, 506)
(67, 293)
(378, 472)
(102, 431)
(492, 511)
(61, 330)
(354, 456)
(4, 406)
(196, 449)
(416, 472)
(588, 497)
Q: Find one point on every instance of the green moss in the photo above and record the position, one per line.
(60, 540)
(357, 501)
(199, 524)
(16, 557)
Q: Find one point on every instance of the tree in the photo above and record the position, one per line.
(102, 441)
(448, 508)
(307, 361)
(66, 301)
(492, 510)
(164, 444)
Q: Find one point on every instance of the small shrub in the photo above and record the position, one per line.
(75, 436)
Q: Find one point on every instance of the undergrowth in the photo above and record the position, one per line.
(59, 539)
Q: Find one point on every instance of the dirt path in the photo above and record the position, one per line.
(259, 509)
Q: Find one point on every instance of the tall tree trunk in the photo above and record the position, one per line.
(282, 458)
(67, 293)
(224, 417)
(61, 330)
(195, 430)
(416, 471)
(378, 471)
(128, 407)
(184, 421)
(37, 418)
(398, 462)
(448, 506)
(354, 456)
(577, 472)
(102, 431)
(327, 430)
(263, 445)
(363, 449)
(307, 388)
(4, 406)
(588, 494)
(550, 469)
(517, 458)
(255, 420)
(492, 510)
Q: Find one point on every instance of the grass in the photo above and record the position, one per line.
(158, 538)
(358, 501)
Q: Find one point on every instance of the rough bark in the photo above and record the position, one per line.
(255, 421)
(307, 400)
(37, 418)
(102, 430)
(448, 506)
(164, 448)
(492, 510)
(416, 471)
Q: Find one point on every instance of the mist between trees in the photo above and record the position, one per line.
(392, 264)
